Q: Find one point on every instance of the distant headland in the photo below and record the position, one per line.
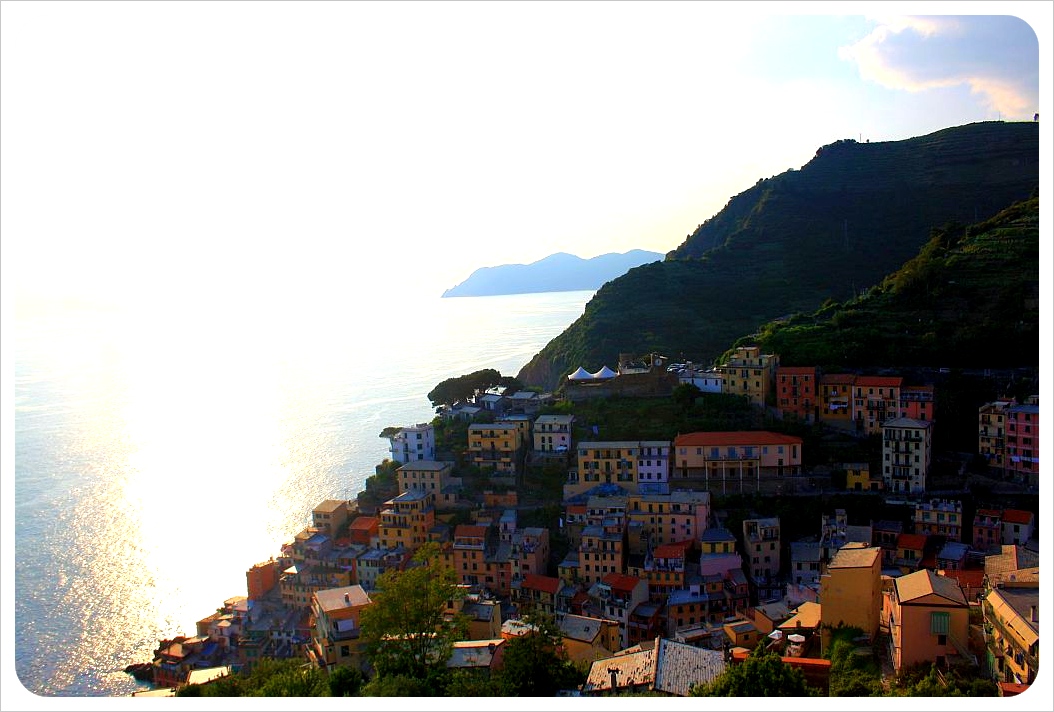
(560, 272)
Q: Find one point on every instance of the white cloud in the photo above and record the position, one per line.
(996, 57)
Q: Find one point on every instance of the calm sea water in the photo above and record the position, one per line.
(161, 451)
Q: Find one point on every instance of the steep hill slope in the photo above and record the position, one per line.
(969, 299)
(849, 217)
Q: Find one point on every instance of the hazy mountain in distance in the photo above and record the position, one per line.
(560, 272)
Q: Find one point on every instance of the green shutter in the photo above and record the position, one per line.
(939, 623)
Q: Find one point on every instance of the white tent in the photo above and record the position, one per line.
(605, 373)
(580, 375)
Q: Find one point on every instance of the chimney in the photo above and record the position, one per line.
(614, 678)
(347, 598)
(1034, 614)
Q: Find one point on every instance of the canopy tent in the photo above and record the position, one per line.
(605, 373)
(580, 375)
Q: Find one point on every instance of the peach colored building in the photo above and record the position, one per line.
(851, 590)
(364, 530)
(1022, 443)
(876, 399)
(335, 639)
(553, 433)
(719, 456)
(407, 519)
(796, 389)
(678, 516)
(330, 516)
(928, 619)
(426, 476)
(261, 578)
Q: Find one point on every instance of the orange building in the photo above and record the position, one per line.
(261, 578)
(836, 398)
(876, 399)
(407, 519)
(732, 454)
(363, 530)
(916, 402)
(851, 590)
(928, 619)
(796, 388)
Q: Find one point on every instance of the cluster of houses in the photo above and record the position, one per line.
(655, 592)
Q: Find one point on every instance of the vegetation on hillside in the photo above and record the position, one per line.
(836, 227)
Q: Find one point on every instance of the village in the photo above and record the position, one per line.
(658, 589)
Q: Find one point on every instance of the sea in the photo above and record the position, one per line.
(161, 451)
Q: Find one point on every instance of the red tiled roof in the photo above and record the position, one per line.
(970, 578)
(878, 380)
(989, 513)
(470, 530)
(365, 523)
(796, 370)
(549, 584)
(1009, 689)
(621, 582)
(911, 541)
(735, 437)
(838, 378)
(666, 551)
(1017, 516)
(576, 509)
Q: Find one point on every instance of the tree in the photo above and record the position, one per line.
(405, 629)
(762, 674)
(291, 677)
(535, 664)
(462, 388)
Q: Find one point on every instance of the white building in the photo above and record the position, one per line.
(907, 449)
(413, 443)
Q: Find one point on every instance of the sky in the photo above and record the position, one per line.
(301, 150)
(286, 153)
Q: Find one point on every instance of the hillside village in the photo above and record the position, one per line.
(658, 590)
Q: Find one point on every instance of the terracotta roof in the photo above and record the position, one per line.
(364, 523)
(838, 378)
(970, 578)
(538, 582)
(1017, 516)
(621, 582)
(879, 381)
(735, 437)
(989, 513)
(667, 551)
(470, 530)
(926, 583)
(911, 541)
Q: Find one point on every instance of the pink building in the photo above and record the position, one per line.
(1022, 443)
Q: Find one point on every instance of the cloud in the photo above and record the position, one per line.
(997, 57)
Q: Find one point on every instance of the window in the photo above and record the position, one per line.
(939, 623)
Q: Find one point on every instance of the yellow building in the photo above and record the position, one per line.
(681, 515)
(876, 399)
(627, 463)
(495, 446)
(426, 476)
(851, 590)
(407, 519)
(1011, 626)
(836, 398)
(602, 552)
(587, 639)
(330, 516)
(750, 373)
(991, 432)
(928, 619)
(335, 638)
(858, 478)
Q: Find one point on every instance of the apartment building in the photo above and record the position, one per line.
(859, 478)
(1018, 526)
(495, 446)
(750, 373)
(634, 465)
(681, 515)
(796, 393)
(876, 399)
(988, 530)
(330, 516)
(553, 433)
(940, 516)
(1011, 631)
(426, 476)
(928, 618)
(731, 455)
(851, 590)
(907, 451)
(1022, 443)
(335, 639)
(415, 442)
(761, 547)
(836, 398)
(407, 519)
(916, 402)
(991, 432)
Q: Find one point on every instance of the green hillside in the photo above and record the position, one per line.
(849, 217)
(969, 298)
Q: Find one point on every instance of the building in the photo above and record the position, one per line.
(988, 530)
(416, 442)
(482, 655)
(876, 399)
(1018, 526)
(330, 516)
(335, 638)
(426, 476)
(735, 455)
(928, 619)
(364, 531)
(761, 546)
(911, 549)
(602, 551)
(796, 388)
(664, 569)
(851, 590)
(916, 402)
(907, 449)
(553, 433)
(884, 534)
(942, 517)
(406, 520)
(261, 578)
(1011, 629)
(681, 515)
(664, 667)
(634, 465)
(615, 597)
(495, 446)
(587, 639)
(536, 593)
(750, 373)
(836, 399)
(858, 478)
(991, 432)
(1022, 443)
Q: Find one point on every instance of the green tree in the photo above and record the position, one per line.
(345, 682)
(762, 674)
(462, 388)
(290, 677)
(534, 663)
(405, 629)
